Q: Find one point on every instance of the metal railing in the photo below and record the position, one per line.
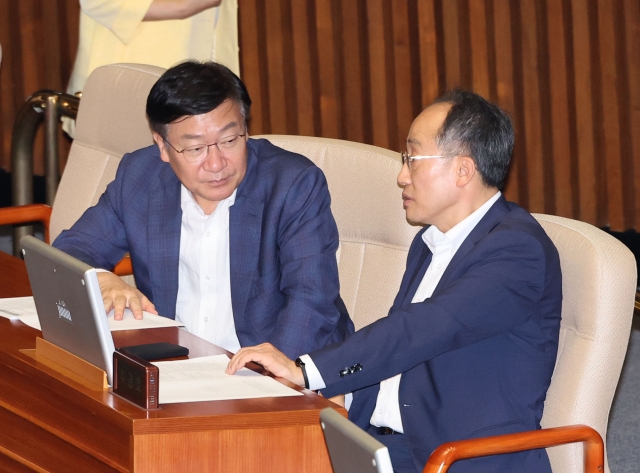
(49, 105)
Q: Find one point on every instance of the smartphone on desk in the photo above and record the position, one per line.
(156, 351)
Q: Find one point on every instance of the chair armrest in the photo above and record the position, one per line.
(30, 213)
(27, 214)
(448, 453)
(124, 267)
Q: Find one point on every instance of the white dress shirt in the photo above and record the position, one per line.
(443, 246)
(204, 276)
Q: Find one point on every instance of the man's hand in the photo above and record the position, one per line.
(116, 295)
(271, 359)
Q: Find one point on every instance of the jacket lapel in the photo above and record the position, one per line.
(245, 227)
(418, 273)
(245, 234)
(418, 261)
(165, 220)
(493, 217)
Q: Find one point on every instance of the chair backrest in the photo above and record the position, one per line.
(367, 205)
(111, 122)
(599, 285)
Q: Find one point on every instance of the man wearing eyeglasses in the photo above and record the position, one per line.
(469, 345)
(232, 236)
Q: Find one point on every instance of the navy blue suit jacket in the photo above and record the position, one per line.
(283, 242)
(477, 357)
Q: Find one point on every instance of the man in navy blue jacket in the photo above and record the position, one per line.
(469, 345)
(232, 236)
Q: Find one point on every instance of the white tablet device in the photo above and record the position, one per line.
(350, 448)
(69, 303)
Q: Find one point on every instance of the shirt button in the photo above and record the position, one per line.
(380, 411)
(206, 319)
(439, 266)
(208, 233)
(207, 277)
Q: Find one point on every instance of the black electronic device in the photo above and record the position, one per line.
(136, 380)
(156, 351)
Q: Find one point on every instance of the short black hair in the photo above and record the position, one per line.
(193, 88)
(480, 129)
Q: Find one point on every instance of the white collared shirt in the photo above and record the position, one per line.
(443, 247)
(204, 275)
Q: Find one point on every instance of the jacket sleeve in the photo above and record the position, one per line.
(500, 289)
(307, 244)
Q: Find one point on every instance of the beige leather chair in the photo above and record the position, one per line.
(111, 122)
(599, 285)
(367, 205)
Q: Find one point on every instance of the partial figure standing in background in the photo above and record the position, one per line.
(157, 32)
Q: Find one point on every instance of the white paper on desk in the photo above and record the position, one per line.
(204, 379)
(24, 309)
(20, 308)
(148, 320)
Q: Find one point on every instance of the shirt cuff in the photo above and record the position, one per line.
(313, 375)
(348, 399)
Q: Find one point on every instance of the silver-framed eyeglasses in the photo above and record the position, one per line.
(408, 160)
(198, 153)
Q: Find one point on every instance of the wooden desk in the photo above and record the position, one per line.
(14, 281)
(48, 423)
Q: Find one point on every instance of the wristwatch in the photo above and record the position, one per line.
(300, 364)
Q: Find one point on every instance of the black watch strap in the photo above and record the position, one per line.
(300, 364)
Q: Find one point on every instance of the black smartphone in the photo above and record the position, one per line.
(156, 351)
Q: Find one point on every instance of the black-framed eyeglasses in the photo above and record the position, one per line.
(408, 160)
(198, 153)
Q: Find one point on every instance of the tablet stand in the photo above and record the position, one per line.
(68, 365)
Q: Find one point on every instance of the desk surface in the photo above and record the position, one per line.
(14, 281)
(47, 419)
